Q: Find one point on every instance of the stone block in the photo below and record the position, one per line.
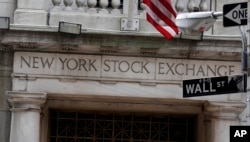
(31, 4)
(30, 17)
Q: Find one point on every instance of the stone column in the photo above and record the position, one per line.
(219, 117)
(25, 119)
(31, 12)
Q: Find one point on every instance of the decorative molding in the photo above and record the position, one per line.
(194, 54)
(27, 45)
(109, 49)
(224, 110)
(6, 48)
(101, 80)
(68, 47)
(67, 79)
(26, 101)
(229, 54)
(149, 51)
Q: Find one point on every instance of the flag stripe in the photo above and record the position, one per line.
(156, 23)
(163, 31)
(162, 16)
(157, 12)
(168, 6)
(162, 10)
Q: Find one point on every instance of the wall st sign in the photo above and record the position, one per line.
(213, 86)
(117, 67)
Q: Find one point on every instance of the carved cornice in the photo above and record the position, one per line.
(214, 49)
(26, 101)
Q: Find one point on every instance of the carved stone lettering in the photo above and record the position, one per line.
(125, 66)
(179, 69)
(115, 67)
(78, 64)
(36, 62)
(128, 67)
(57, 64)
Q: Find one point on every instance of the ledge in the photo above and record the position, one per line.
(40, 28)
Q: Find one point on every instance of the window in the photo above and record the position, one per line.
(100, 127)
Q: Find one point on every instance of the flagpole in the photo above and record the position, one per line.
(131, 8)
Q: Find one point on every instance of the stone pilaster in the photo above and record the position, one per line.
(25, 119)
(219, 117)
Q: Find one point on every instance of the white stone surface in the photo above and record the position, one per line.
(30, 17)
(25, 127)
(31, 4)
(89, 21)
(220, 129)
(103, 88)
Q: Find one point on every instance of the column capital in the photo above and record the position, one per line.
(26, 100)
(228, 110)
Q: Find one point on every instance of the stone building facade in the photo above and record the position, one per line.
(111, 84)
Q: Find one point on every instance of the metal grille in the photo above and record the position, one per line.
(96, 127)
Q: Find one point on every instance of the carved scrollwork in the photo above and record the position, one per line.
(109, 49)
(149, 51)
(6, 48)
(68, 47)
(27, 45)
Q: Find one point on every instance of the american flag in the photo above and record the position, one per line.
(161, 15)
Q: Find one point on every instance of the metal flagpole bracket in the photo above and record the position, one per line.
(125, 26)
